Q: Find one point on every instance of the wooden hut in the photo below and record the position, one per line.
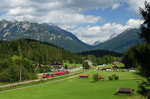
(83, 75)
(125, 90)
(115, 68)
(106, 69)
(100, 77)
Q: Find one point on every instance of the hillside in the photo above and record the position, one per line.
(38, 52)
(122, 42)
(100, 53)
(13, 30)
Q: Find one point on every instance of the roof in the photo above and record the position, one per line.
(83, 75)
(125, 90)
(115, 67)
(106, 68)
(101, 76)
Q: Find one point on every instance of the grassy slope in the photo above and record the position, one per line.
(77, 88)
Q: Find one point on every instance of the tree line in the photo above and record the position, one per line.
(20, 58)
(139, 55)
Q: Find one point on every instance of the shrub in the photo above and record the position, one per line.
(116, 77)
(86, 65)
(95, 77)
(113, 77)
(110, 78)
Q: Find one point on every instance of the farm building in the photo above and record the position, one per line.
(83, 75)
(106, 69)
(115, 68)
(100, 77)
(125, 90)
(124, 70)
(132, 69)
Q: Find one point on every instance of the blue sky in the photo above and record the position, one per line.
(89, 20)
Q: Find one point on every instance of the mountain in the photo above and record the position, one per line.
(57, 29)
(121, 42)
(13, 30)
(112, 36)
(100, 42)
(96, 43)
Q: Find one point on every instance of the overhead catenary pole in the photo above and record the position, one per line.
(20, 74)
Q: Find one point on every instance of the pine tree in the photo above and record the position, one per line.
(145, 27)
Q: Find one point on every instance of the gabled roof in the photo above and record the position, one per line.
(83, 75)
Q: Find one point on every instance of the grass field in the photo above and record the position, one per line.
(80, 88)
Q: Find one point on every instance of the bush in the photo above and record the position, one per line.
(116, 77)
(144, 88)
(66, 66)
(86, 65)
(95, 77)
(113, 77)
(110, 78)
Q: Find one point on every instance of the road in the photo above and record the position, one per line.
(75, 69)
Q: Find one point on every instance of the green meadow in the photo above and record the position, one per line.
(81, 88)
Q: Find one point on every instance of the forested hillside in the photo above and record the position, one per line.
(22, 56)
(101, 53)
(38, 52)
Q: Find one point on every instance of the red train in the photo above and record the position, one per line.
(47, 75)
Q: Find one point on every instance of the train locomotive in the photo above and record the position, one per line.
(48, 75)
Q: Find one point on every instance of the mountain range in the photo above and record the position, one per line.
(13, 30)
(121, 42)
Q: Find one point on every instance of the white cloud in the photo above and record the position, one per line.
(134, 23)
(115, 6)
(67, 14)
(135, 4)
(20, 11)
(64, 13)
(92, 34)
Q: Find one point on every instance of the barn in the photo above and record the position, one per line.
(83, 75)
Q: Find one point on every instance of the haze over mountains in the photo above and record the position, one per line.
(122, 42)
(13, 30)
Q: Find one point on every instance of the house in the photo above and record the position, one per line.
(125, 90)
(132, 69)
(115, 68)
(100, 77)
(124, 70)
(83, 75)
(106, 69)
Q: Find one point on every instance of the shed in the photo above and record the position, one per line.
(100, 77)
(132, 69)
(83, 75)
(125, 90)
(106, 69)
(124, 70)
(115, 68)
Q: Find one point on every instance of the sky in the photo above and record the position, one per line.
(89, 20)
